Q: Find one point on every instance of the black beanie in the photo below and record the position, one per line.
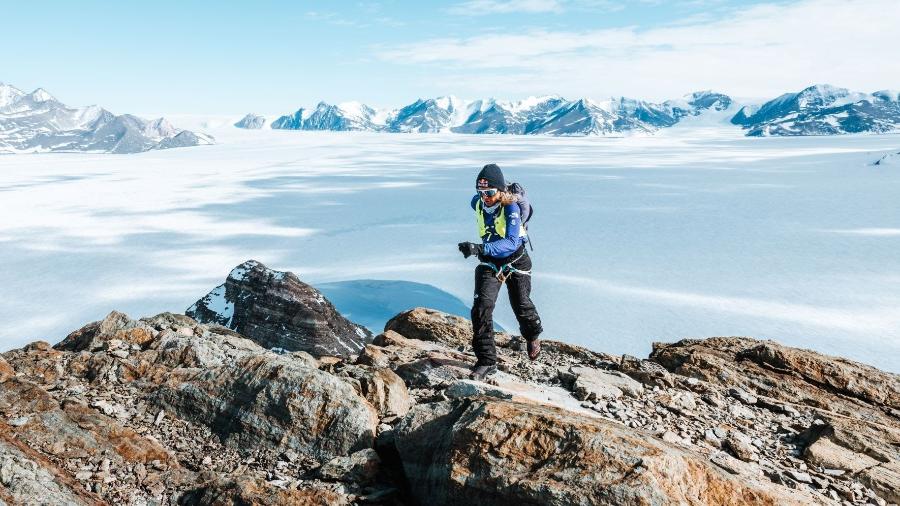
(490, 177)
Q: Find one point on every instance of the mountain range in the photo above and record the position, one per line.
(817, 110)
(37, 122)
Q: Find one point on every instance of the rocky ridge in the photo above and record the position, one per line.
(37, 122)
(166, 410)
(277, 310)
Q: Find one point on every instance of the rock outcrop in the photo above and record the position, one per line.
(277, 310)
(167, 410)
(499, 452)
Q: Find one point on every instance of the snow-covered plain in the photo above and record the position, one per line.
(693, 232)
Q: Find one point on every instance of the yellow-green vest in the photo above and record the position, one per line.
(499, 223)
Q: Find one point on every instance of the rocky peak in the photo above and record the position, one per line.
(166, 410)
(277, 310)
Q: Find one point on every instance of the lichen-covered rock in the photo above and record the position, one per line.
(26, 478)
(247, 491)
(381, 387)
(789, 374)
(435, 326)
(277, 310)
(273, 402)
(503, 452)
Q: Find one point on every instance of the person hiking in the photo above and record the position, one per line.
(503, 258)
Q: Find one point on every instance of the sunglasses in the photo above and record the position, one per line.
(488, 193)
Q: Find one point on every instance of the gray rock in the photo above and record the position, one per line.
(277, 310)
(743, 396)
(594, 384)
(466, 388)
(273, 402)
(740, 445)
(800, 476)
(360, 467)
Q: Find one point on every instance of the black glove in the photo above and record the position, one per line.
(470, 248)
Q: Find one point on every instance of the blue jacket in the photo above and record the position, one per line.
(496, 246)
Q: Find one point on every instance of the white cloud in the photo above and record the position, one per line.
(484, 7)
(760, 51)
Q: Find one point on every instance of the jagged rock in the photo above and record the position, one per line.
(381, 387)
(789, 374)
(192, 404)
(423, 363)
(872, 451)
(645, 371)
(469, 388)
(743, 396)
(26, 478)
(679, 401)
(245, 490)
(359, 467)
(824, 452)
(494, 451)
(436, 326)
(593, 384)
(277, 310)
(273, 402)
(855, 401)
(248, 396)
(741, 446)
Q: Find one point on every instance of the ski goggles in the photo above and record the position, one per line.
(488, 193)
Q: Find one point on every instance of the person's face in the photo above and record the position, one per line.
(489, 196)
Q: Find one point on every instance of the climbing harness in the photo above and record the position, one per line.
(506, 270)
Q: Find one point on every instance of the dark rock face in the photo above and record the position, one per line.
(277, 310)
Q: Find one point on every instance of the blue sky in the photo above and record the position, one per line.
(273, 57)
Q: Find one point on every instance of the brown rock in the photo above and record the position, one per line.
(247, 491)
(277, 310)
(825, 453)
(502, 452)
(765, 368)
(382, 388)
(6, 370)
(28, 478)
(435, 326)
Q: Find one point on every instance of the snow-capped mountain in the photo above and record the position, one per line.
(251, 122)
(817, 110)
(37, 122)
(341, 117)
(431, 115)
(504, 117)
(582, 117)
(823, 110)
(547, 115)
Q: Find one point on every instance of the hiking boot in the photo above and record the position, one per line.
(534, 348)
(481, 372)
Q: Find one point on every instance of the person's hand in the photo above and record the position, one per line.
(470, 248)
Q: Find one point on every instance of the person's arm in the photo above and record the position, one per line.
(509, 244)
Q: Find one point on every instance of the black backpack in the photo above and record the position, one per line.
(525, 208)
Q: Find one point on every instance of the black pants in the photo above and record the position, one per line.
(487, 287)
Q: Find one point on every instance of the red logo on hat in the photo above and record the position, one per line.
(482, 184)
